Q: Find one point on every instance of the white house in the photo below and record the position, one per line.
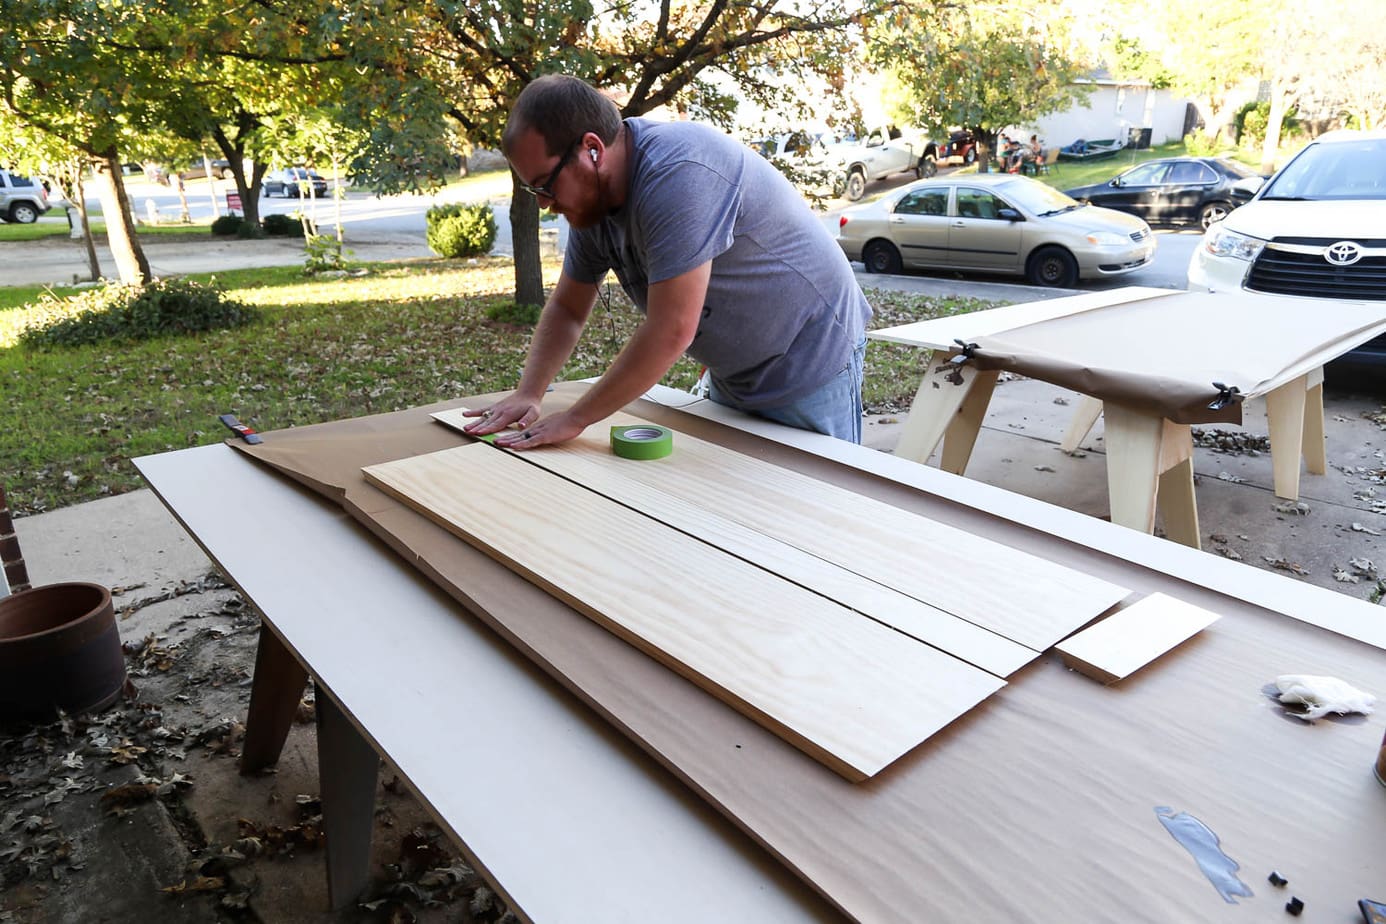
(1112, 111)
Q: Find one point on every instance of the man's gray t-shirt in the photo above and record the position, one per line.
(783, 311)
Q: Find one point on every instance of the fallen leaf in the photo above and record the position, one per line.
(1044, 468)
(120, 798)
(1362, 565)
(200, 884)
(1281, 564)
(1299, 508)
(1234, 479)
(1359, 528)
(1342, 577)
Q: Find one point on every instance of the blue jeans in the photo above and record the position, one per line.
(834, 409)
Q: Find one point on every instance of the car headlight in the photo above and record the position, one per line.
(1221, 242)
(1107, 239)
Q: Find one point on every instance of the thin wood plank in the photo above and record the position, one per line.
(940, 333)
(1126, 641)
(606, 475)
(850, 692)
(1014, 594)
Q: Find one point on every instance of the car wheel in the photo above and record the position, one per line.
(23, 213)
(856, 185)
(1212, 213)
(925, 168)
(970, 157)
(1052, 266)
(882, 257)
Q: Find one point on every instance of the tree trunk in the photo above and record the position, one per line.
(524, 238)
(1275, 121)
(249, 188)
(131, 263)
(81, 199)
(986, 145)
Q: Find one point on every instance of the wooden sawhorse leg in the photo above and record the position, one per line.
(275, 692)
(347, 768)
(1150, 460)
(1082, 422)
(951, 402)
(1294, 416)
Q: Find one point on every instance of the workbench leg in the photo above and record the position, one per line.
(1285, 420)
(1141, 448)
(1082, 423)
(275, 692)
(940, 400)
(347, 767)
(1315, 447)
(1176, 502)
(961, 434)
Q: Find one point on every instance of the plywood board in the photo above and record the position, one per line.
(1014, 594)
(1126, 641)
(852, 693)
(608, 476)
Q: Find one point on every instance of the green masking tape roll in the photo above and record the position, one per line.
(642, 441)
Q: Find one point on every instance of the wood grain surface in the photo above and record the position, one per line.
(1126, 641)
(1013, 594)
(845, 689)
(608, 475)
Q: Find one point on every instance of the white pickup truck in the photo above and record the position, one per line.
(883, 152)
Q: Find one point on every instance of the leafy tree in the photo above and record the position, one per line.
(465, 63)
(60, 74)
(29, 150)
(977, 67)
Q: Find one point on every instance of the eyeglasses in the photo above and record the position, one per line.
(545, 188)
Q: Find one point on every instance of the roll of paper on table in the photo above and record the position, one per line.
(642, 441)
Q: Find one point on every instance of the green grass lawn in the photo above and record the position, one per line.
(403, 335)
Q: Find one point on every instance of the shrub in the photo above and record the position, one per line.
(1198, 144)
(322, 254)
(227, 225)
(282, 226)
(123, 313)
(461, 230)
(511, 313)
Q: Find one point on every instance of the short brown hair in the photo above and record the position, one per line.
(561, 109)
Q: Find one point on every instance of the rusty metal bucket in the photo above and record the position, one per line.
(59, 649)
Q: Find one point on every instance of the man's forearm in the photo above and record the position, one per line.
(648, 355)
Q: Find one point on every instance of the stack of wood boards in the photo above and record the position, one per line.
(848, 627)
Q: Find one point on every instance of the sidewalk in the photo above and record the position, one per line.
(60, 261)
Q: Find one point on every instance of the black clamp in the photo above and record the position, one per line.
(965, 352)
(240, 429)
(1227, 394)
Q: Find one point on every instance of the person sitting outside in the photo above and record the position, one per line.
(1031, 155)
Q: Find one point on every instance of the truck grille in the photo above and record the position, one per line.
(1296, 266)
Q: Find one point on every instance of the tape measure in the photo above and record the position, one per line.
(642, 441)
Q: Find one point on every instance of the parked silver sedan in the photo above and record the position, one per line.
(994, 223)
